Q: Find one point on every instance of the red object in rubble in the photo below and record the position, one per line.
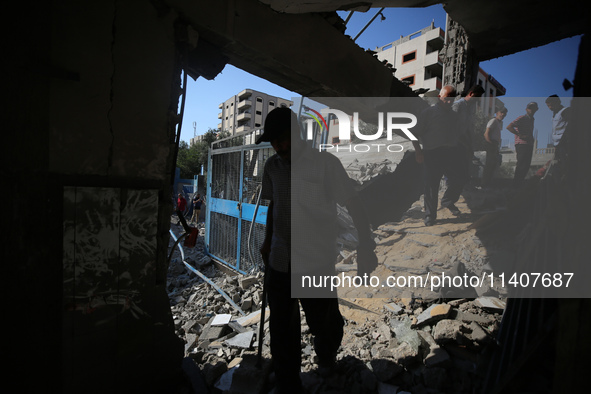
(191, 239)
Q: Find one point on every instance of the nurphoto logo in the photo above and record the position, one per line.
(390, 119)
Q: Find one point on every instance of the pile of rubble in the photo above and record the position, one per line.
(391, 345)
(363, 172)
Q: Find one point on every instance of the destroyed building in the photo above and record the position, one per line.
(94, 109)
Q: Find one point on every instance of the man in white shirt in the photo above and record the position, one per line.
(492, 136)
(559, 117)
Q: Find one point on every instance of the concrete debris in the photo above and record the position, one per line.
(221, 320)
(397, 342)
(490, 303)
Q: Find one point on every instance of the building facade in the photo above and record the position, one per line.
(416, 58)
(420, 60)
(247, 110)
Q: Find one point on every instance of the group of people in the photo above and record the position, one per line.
(303, 187)
(445, 132)
(194, 209)
(523, 129)
(445, 148)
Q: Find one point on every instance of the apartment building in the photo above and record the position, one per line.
(247, 110)
(416, 58)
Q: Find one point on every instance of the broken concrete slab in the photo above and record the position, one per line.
(468, 317)
(478, 334)
(252, 318)
(404, 333)
(491, 304)
(237, 327)
(434, 313)
(242, 340)
(211, 333)
(221, 320)
(405, 354)
(448, 331)
(393, 307)
(190, 341)
(246, 304)
(247, 282)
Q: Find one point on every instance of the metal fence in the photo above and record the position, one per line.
(236, 216)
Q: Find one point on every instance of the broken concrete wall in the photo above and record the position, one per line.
(459, 60)
(89, 172)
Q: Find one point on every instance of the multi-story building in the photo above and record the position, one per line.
(416, 58)
(489, 101)
(247, 110)
(417, 61)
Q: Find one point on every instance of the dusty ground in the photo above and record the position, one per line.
(372, 358)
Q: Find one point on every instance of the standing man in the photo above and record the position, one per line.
(559, 117)
(523, 128)
(438, 133)
(197, 201)
(466, 109)
(303, 187)
(492, 136)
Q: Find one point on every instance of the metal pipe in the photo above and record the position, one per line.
(368, 23)
(205, 278)
(252, 223)
(349, 17)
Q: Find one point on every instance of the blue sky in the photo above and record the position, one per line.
(532, 75)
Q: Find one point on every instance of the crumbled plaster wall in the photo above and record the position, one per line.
(88, 172)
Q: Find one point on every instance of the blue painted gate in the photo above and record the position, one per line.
(235, 214)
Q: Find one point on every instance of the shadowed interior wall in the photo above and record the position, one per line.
(88, 173)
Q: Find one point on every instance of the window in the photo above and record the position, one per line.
(271, 104)
(259, 100)
(409, 57)
(258, 112)
(410, 80)
(336, 140)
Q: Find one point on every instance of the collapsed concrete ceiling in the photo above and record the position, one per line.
(495, 28)
(301, 45)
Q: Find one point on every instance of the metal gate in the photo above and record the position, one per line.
(235, 215)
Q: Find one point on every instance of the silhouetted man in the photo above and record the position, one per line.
(438, 133)
(303, 187)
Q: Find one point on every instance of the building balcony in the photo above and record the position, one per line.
(220, 115)
(246, 93)
(219, 126)
(243, 117)
(432, 59)
(435, 39)
(434, 83)
(242, 128)
(243, 104)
